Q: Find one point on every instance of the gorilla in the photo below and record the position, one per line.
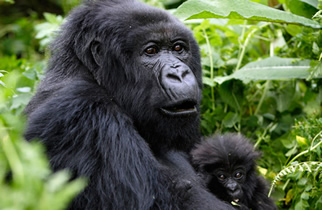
(227, 163)
(119, 104)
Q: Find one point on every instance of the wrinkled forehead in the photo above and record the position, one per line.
(160, 32)
(155, 24)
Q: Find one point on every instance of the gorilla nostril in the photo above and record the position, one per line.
(174, 77)
(232, 189)
(185, 73)
(175, 66)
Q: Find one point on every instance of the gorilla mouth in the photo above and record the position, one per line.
(183, 108)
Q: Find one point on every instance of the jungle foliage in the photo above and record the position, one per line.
(262, 74)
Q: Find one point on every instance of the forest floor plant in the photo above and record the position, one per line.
(262, 71)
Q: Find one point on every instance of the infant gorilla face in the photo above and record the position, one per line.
(228, 165)
(228, 180)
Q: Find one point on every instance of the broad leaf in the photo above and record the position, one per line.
(230, 120)
(239, 9)
(313, 3)
(231, 94)
(272, 68)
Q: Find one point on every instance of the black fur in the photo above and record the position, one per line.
(226, 155)
(109, 109)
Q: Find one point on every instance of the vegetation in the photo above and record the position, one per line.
(262, 71)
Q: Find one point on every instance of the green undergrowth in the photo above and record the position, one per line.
(262, 75)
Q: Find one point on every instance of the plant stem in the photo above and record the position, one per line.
(298, 155)
(263, 135)
(262, 98)
(308, 150)
(13, 159)
(211, 68)
(315, 137)
(243, 46)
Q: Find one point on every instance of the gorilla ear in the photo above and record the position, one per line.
(96, 52)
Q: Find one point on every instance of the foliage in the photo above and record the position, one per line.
(17, 38)
(261, 79)
(262, 75)
(26, 181)
(30, 184)
(303, 172)
(241, 9)
(45, 31)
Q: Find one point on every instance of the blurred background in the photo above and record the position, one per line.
(279, 110)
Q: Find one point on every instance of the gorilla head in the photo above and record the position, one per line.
(149, 64)
(227, 162)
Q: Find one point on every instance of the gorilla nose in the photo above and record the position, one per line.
(232, 187)
(177, 76)
(179, 82)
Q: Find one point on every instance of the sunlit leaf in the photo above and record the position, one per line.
(289, 196)
(272, 68)
(301, 141)
(20, 100)
(239, 9)
(24, 89)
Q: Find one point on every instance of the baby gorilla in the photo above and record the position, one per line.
(227, 162)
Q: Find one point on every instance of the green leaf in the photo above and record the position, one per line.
(291, 152)
(301, 141)
(231, 94)
(313, 3)
(239, 9)
(288, 144)
(230, 120)
(289, 196)
(272, 68)
(20, 100)
(284, 97)
(302, 8)
(9, 1)
(54, 19)
(208, 81)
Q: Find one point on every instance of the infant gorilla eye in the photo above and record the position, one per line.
(151, 50)
(238, 175)
(221, 176)
(177, 47)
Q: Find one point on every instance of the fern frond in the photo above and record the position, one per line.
(310, 166)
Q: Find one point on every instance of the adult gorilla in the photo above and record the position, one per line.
(122, 90)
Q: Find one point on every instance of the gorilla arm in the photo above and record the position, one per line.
(260, 199)
(84, 131)
(191, 191)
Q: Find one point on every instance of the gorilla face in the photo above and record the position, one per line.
(176, 83)
(227, 180)
(162, 55)
(166, 65)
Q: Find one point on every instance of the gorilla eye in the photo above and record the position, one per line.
(222, 177)
(238, 175)
(177, 47)
(151, 50)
